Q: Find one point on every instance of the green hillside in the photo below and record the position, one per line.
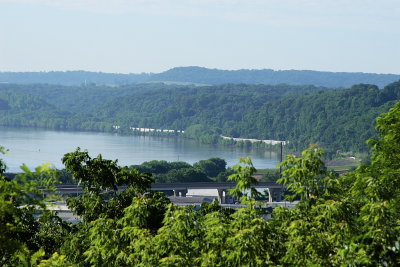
(337, 119)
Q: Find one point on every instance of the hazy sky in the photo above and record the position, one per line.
(132, 36)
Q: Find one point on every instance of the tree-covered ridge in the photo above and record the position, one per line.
(86, 98)
(99, 107)
(337, 119)
(350, 220)
(269, 76)
(178, 108)
(199, 75)
(18, 109)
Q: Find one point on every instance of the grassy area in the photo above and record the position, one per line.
(345, 164)
(348, 167)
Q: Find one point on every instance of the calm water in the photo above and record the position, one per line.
(34, 147)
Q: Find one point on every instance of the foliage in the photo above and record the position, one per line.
(178, 171)
(377, 193)
(186, 175)
(98, 174)
(3, 166)
(65, 177)
(303, 176)
(26, 227)
(243, 176)
(212, 167)
(270, 175)
(349, 220)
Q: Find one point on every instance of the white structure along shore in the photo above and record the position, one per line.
(269, 142)
(148, 130)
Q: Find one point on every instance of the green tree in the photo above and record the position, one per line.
(186, 175)
(27, 229)
(98, 174)
(212, 167)
(243, 176)
(377, 193)
(3, 165)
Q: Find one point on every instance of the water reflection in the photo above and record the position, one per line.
(35, 146)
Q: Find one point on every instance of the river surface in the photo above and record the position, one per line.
(36, 146)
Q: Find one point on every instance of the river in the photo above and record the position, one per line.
(36, 146)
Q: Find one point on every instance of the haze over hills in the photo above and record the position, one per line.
(205, 76)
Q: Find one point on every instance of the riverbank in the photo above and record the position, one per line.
(34, 147)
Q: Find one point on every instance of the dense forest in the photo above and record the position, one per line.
(336, 119)
(349, 220)
(199, 75)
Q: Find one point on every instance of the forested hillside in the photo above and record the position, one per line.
(337, 119)
(199, 75)
(85, 98)
(18, 109)
(177, 108)
(145, 105)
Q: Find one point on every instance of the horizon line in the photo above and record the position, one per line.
(192, 66)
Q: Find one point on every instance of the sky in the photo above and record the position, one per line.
(135, 36)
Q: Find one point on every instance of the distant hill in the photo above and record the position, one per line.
(78, 77)
(199, 75)
(267, 76)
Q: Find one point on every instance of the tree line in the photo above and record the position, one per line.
(199, 75)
